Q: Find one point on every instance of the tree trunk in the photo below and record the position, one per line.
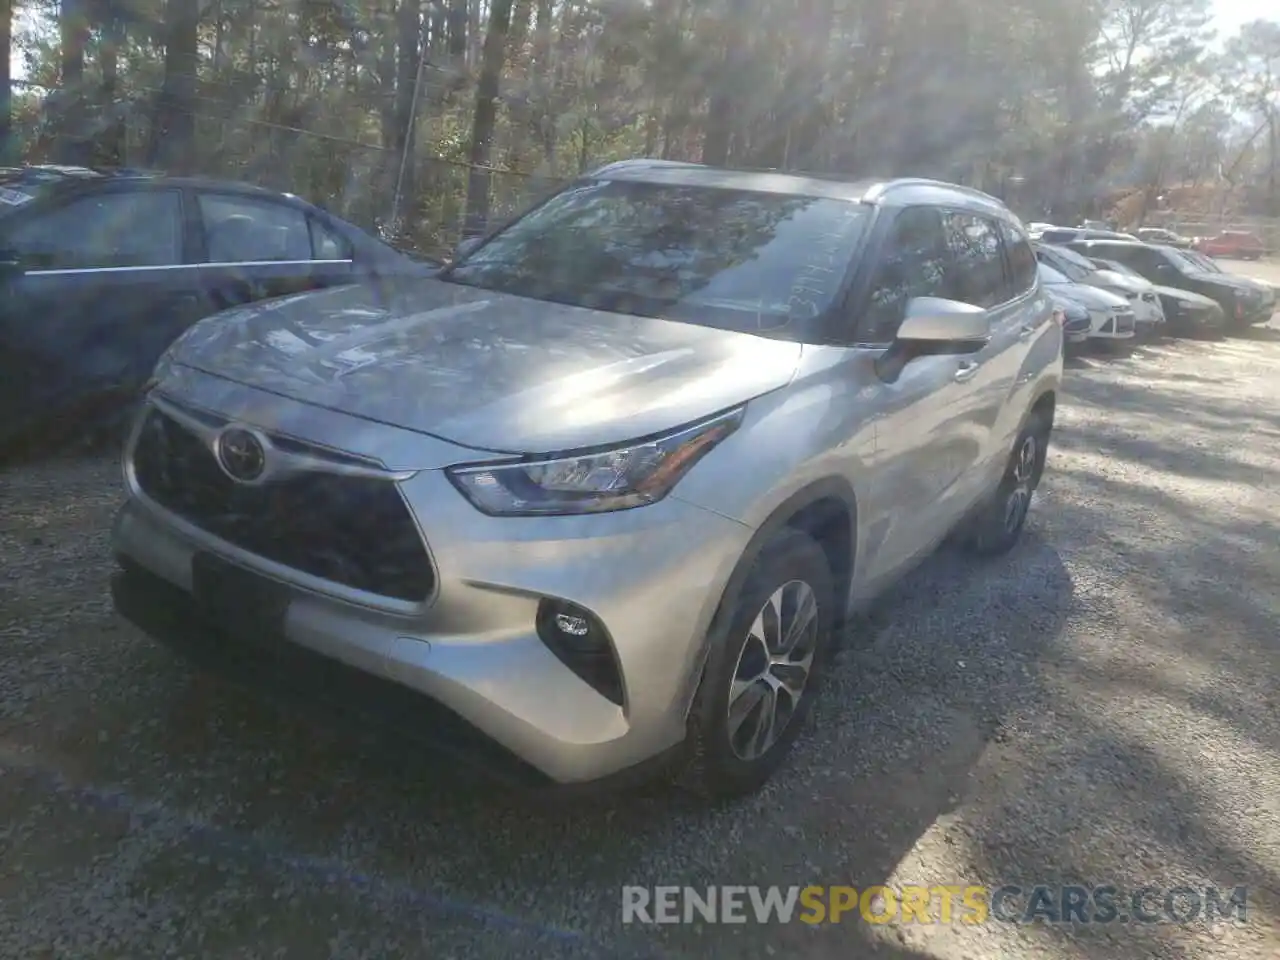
(520, 113)
(174, 131)
(542, 67)
(8, 149)
(409, 32)
(458, 19)
(113, 138)
(725, 87)
(74, 34)
(1273, 146)
(486, 115)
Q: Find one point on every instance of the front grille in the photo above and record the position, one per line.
(355, 531)
(1124, 321)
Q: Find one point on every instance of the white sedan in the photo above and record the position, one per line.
(1111, 316)
(1139, 292)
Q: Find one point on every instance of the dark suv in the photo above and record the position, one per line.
(1245, 302)
(101, 270)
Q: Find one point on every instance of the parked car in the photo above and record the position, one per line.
(1072, 314)
(1161, 235)
(1061, 235)
(1185, 312)
(1235, 244)
(603, 489)
(1110, 315)
(1212, 266)
(1139, 293)
(116, 264)
(1244, 301)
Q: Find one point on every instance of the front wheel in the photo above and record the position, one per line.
(762, 674)
(997, 526)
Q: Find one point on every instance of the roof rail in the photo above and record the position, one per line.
(881, 189)
(641, 162)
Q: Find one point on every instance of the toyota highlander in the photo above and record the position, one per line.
(603, 493)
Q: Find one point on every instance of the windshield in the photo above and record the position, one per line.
(1050, 275)
(734, 259)
(1115, 266)
(1068, 262)
(14, 193)
(21, 185)
(1200, 261)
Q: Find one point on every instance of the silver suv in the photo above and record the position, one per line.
(604, 490)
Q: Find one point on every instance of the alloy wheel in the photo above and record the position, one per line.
(1023, 472)
(773, 669)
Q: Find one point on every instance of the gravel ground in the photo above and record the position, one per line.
(1098, 707)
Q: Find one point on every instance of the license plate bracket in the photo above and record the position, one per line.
(244, 605)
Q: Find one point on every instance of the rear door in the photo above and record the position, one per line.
(101, 288)
(252, 248)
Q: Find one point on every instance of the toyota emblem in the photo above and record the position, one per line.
(241, 455)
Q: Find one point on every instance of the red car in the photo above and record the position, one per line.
(1232, 243)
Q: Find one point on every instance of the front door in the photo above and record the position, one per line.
(922, 450)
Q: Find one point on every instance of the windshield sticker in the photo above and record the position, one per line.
(13, 198)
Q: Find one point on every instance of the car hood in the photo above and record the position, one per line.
(1090, 297)
(1229, 280)
(1188, 296)
(483, 369)
(1111, 280)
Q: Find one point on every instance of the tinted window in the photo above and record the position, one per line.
(735, 259)
(1059, 236)
(1022, 258)
(1140, 258)
(977, 271)
(327, 244)
(914, 263)
(244, 229)
(142, 229)
(1076, 267)
(1050, 275)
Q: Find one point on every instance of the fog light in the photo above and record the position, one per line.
(574, 626)
(580, 641)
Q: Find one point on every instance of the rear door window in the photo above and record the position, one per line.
(1021, 256)
(140, 228)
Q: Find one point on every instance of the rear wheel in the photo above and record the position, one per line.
(997, 526)
(761, 677)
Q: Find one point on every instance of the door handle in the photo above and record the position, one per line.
(968, 370)
(1026, 331)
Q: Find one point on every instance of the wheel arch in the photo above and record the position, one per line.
(826, 510)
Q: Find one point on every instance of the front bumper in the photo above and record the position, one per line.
(1254, 316)
(1112, 326)
(653, 576)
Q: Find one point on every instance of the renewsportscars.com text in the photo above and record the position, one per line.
(943, 904)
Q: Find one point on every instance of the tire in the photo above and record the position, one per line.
(997, 526)
(724, 760)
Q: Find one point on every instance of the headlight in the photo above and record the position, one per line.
(596, 481)
(161, 370)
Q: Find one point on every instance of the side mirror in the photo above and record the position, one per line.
(938, 322)
(465, 246)
(933, 326)
(10, 264)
